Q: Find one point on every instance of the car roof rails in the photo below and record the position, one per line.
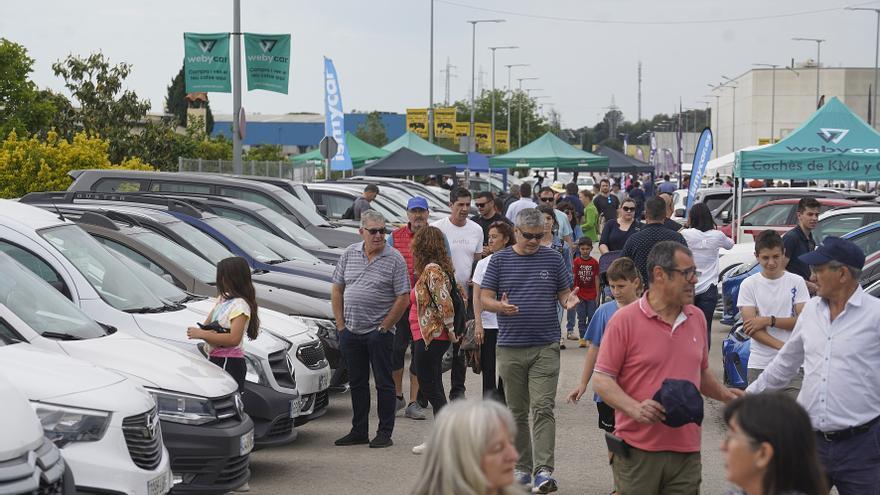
(142, 198)
(48, 197)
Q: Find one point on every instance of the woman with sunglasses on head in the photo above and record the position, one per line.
(617, 231)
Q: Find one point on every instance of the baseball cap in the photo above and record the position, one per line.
(417, 202)
(835, 249)
(682, 402)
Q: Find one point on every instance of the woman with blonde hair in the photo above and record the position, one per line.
(470, 451)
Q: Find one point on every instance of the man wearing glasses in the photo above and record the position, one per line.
(639, 244)
(369, 295)
(488, 214)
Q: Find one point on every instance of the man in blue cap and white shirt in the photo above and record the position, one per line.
(837, 340)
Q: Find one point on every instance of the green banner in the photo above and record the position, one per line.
(268, 61)
(206, 62)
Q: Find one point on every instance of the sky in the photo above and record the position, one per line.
(584, 52)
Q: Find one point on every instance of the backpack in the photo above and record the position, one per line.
(735, 351)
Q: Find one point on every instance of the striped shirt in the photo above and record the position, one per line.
(531, 283)
(370, 288)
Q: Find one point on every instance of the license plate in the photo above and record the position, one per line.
(323, 382)
(160, 484)
(295, 407)
(246, 444)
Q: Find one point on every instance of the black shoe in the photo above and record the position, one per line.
(380, 442)
(456, 395)
(352, 439)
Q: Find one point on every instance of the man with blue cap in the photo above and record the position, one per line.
(837, 341)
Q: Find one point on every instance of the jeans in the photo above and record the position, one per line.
(706, 301)
(491, 389)
(362, 353)
(459, 368)
(429, 369)
(852, 465)
(584, 311)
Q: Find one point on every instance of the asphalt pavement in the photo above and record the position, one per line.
(312, 464)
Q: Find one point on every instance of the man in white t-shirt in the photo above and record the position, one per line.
(524, 201)
(770, 302)
(464, 239)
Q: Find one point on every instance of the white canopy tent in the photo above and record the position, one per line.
(723, 165)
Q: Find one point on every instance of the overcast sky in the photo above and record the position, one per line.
(380, 47)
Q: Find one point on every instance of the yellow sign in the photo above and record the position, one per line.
(501, 141)
(762, 141)
(417, 121)
(444, 122)
(483, 135)
(461, 129)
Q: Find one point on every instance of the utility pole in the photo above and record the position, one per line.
(818, 61)
(509, 100)
(640, 91)
(731, 83)
(471, 133)
(431, 80)
(447, 75)
(494, 48)
(519, 127)
(236, 87)
(772, 100)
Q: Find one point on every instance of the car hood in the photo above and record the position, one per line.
(271, 323)
(301, 285)
(137, 359)
(291, 302)
(21, 429)
(321, 271)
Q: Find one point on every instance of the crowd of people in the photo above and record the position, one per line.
(527, 273)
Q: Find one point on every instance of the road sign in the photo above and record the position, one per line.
(328, 147)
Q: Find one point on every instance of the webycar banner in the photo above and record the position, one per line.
(206, 62)
(334, 125)
(267, 58)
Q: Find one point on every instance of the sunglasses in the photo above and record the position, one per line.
(376, 231)
(546, 200)
(628, 208)
(481, 205)
(532, 237)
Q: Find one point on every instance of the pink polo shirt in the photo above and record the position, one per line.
(640, 350)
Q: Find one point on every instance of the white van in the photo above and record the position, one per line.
(106, 426)
(29, 462)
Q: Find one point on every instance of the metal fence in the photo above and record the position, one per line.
(280, 169)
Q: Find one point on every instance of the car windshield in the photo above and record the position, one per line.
(110, 278)
(585, 180)
(164, 289)
(289, 227)
(385, 208)
(42, 307)
(394, 196)
(287, 249)
(418, 190)
(193, 264)
(838, 225)
(303, 195)
(244, 241)
(205, 245)
(309, 212)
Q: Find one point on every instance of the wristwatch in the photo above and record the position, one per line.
(772, 321)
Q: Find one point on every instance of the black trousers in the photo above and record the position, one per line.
(706, 302)
(492, 389)
(363, 353)
(236, 368)
(429, 369)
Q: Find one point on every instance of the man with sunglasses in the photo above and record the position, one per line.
(639, 244)
(369, 295)
(488, 214)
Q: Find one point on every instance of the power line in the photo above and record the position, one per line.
(646, 23)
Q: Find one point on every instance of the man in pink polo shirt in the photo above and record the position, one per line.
(663, 335)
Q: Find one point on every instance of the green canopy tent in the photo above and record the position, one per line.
(551, 152)
(415, 143)
(360, 151)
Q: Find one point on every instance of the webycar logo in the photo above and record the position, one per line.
(267, 45)
(207, 45)
(832, 135)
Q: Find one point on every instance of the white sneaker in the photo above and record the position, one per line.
(418, 449)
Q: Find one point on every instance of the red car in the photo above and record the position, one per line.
(779, 215)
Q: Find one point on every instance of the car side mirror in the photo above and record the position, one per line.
(680, 212)
(322, 209)
(725, 216)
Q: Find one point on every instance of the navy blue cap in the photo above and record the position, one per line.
(836, 249)
(417, 202)
(682, 401)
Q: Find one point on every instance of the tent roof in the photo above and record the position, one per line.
(359, 150)
(723, 165)
(833, 144)
(550, 151)
(619, 162)
(404, 162)
(412, 141)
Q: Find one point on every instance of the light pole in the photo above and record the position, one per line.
(731, 83)
(708, 106)
(519, 126)
(772, 100)
(236, 88)
(510, 99)
(876, 55)
(717, 115)
(529, 98)
(529, 122)
(431, 80)
(493, 48)
(818, 60)
(473, 74)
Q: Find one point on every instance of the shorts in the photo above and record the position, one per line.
(606, 417)
(402, 341)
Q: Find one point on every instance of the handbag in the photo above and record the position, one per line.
(459, 322)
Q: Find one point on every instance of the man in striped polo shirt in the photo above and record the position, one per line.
(370, 293)
(522, 284)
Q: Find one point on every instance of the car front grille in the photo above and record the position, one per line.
(282, 370)
(226, 410)
(312, 355)
(282, 426)
(39, 472)
(208, 471)
(143, 435)
(322, 400)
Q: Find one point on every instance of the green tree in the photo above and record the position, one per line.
(265, 152)
(175, 103)
(22, 107)
(372, 130)
(533, 124)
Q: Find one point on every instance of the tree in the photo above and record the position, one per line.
(265, 152)
(372, 130)
(176, 104)
(533, 124)
(22, 107)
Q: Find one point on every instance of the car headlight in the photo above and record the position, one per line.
(315, 325)
(254, 371)
(63, 425)
(182, 408)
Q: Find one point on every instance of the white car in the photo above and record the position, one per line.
(585, 182)
(29, 462)
(737, 255)
(106, 426)
(845, 219)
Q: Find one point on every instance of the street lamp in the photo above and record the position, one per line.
(431, 79)
(510, 99)
(519, 127)
(528, 97)
(473, 73)
(493, 48)
(708, 106)
(876, 55)
(818, 60)
(717, 114)
(772, 100)
(731, 83)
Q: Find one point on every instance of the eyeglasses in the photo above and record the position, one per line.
(546, 200)
(481, 205)
(628, 208)
(687, 273)
(532, 237)
(376, 231)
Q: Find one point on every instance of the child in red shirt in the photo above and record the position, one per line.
(586, 279)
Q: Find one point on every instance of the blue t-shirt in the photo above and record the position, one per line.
(596, 328)
(531, 283)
